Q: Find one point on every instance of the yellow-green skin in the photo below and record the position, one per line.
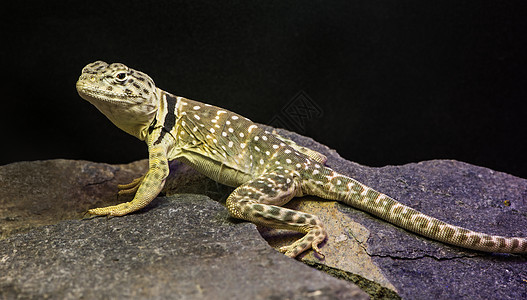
(267, 170)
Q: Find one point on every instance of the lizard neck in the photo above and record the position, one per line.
(141, 128)
(166, 117)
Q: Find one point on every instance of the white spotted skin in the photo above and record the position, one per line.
(267, 169)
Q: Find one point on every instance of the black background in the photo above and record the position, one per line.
(397, 81)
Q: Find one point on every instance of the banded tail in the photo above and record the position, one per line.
(351, 192)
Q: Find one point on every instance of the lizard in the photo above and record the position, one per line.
(267, 170)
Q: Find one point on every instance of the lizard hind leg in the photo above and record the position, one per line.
(259, 201)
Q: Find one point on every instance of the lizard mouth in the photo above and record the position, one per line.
(88, 92)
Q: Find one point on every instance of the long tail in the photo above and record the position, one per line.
(335, 186)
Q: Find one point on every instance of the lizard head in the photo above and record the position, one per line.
(126, 96)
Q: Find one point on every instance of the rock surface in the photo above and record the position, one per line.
(180, 247)
(462, 194)
(39, 193)
(186, 246)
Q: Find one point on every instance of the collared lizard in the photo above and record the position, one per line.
(266, 169)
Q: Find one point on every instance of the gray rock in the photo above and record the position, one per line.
(416, 267)
(179, 247)
(473, 197)
(39, 193)
(186, 246)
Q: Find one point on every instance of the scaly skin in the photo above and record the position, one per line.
(267, 170)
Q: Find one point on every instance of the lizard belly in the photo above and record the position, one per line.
(214, 169)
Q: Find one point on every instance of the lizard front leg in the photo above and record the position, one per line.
(258, 201)
(148, 187)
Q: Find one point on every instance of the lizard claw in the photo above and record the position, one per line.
(130, 187)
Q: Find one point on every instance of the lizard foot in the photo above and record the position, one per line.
(312, 239)
(114, 210)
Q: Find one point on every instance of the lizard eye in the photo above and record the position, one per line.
(121, 76)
